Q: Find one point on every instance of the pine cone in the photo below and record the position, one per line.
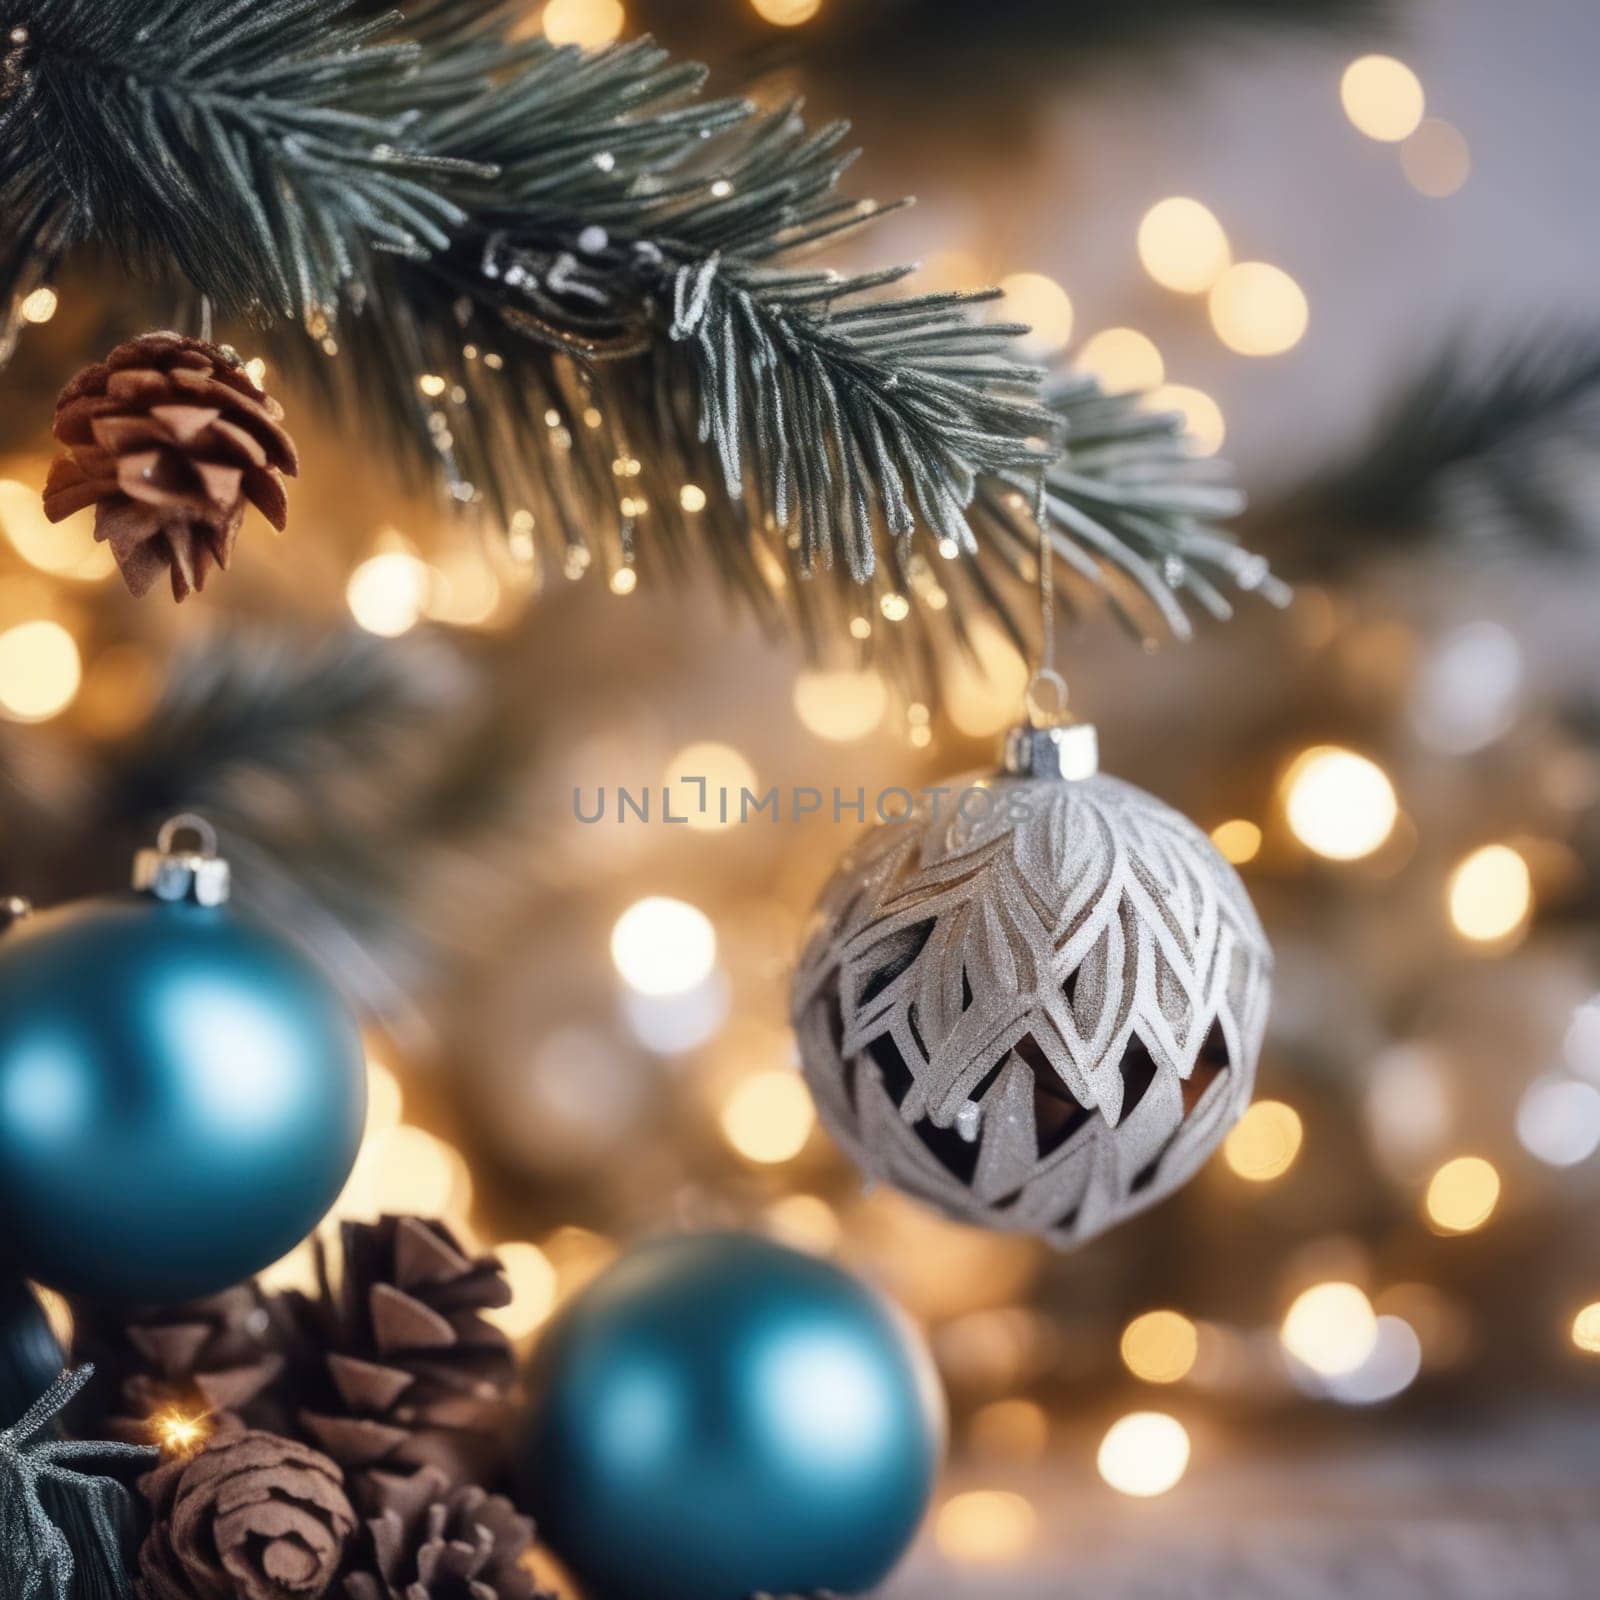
(210, 1357)
(251, 1517)
(428, 1541)
(414, 1376)
(168, 437)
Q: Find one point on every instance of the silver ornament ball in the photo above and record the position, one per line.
(1038, 1001)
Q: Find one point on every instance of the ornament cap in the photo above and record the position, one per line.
(198, 875)
(1069, 751)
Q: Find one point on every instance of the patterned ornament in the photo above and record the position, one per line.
(1038, 1001)
(202, 1096)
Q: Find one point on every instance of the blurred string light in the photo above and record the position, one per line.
(1586, 1329)
(1123, 359)
(697, 779)
(985, 682)
(1490, 894)
(1558, 1120)
(1009, 1430)
(1239, 840)
(1467, 693)
(692, 498)
(1264, 1142)
(985, 1527)
(1182, 245)
(65, 549)
(39, 306)
(1160, 1346)
(806, 1222)
(1409, 1108)
(1202, 416)
(1382, 97)
(1331, 1329)
(786, 13)
(624, 580)
(1339, 804)
(534, 1289)
(590, 23)
(1042, 303)
(462, 590)
(1580, 1048)
(662, 946)
(415, 1171)
(1257, 309)
(1144, 1454)
(1436, 159)
(768, 1117)
(1391, 1366)
(841, 707)
(40, 671)
(388, 593)
(1462, 1195)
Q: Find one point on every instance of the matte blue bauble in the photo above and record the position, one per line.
(181, 1098)
(718, 1416)
(31, 1357)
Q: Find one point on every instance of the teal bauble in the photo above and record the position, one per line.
(717, 1417)
(181, 1093)
(31, 1357)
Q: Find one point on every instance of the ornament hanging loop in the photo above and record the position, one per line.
(1047, 699)
(198, 875)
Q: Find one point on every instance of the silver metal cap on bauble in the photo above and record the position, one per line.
(198, 874)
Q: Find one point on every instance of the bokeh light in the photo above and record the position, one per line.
(534, 1287)
(985, 1527)
(39, 306)
(65, 549)
(40, 671)
(1123, 359)
(805, 1221)
(1382, 97)
(663, 946)
(1182, 245)
(1202, 416)
(1390, 1369)
(786, 13)
(1586, 1329)
(1490, 894)
(1144, 1454)
(1009, 1430)
(1238, 839)
(1462, 1195)
(1558, 1120)
(769, 1117)
(388, 593)
(1331, 1328)
(1339, 804)
(1436, 159)
(719, 774)
(1160, 1346)
(985, 684)
(841, 707)
(590, 23)
(1257, 309)
(1264, 1142)
(1044, 305)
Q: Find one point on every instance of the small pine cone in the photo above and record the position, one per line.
(211, 1357)
(167, 438)
(427, 1541)
(251, 1517)
(414, 1375)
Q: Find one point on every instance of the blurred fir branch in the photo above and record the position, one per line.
(1494, 448)
(568, 286)
(343, 774)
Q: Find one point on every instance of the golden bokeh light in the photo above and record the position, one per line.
(985, 684)
(1436, 159)
(1490, 894)
(1144, 1454)
(534, 1287)
(704, 781)
(385, 1099)
(624, 580)
(1123, 359)
(178, 1434)
(1160, 1346)
(409, 1170)
(1202, 416)
(1264, 1142)
(40, 671)
(985, 1527)
(663, 946)
(841, 707)
(786, 13)
(806, 1222)
(692, 498)
(1339, 804)
(1238, 839)
(65, 549)
(39, 306)
(768, 1117)
(1586, 1329)
(388, 593)
(1462, 1195)
(1382, 97)
(1042, 303)
(1182, 245)
(462, 590)
(1257, 309)
(1331, 1328)
(590, 23)
(1009, 1430)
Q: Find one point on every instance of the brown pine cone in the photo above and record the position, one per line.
(251, 1517)
(167, 438)
(413, 1375)
(211, 1357)
(427, 1541)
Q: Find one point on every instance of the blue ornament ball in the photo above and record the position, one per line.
(181, 1098)
(718, 1416)
(31, 1357)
